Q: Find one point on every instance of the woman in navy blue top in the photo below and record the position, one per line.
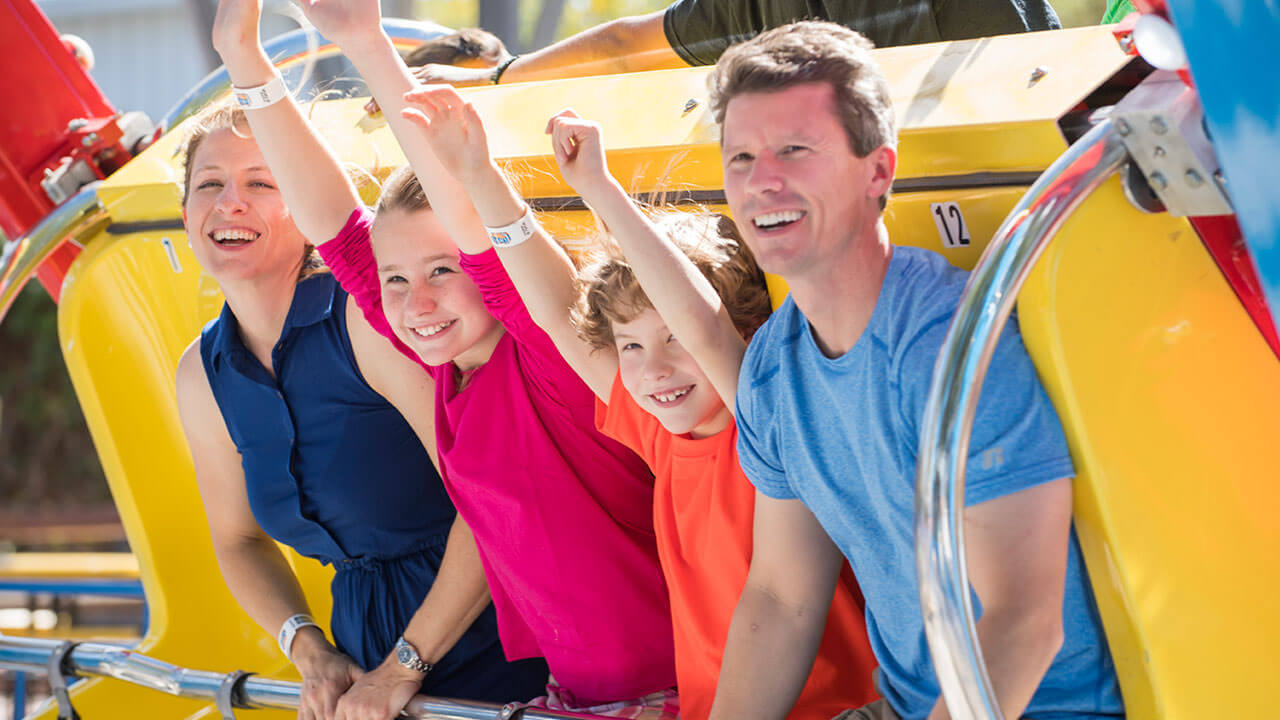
(285, 402)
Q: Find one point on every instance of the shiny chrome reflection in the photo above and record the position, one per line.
(98, 660)
(953, 396)
(296, 51)
(78, 215)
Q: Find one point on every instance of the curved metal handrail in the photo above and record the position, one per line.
(953, 397)
(290, 50)
(22, 255)
(110, 661)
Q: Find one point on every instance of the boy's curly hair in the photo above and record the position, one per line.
(609, 293)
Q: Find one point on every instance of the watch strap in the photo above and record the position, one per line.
(408, 656)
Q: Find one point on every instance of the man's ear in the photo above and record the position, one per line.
(884, 163)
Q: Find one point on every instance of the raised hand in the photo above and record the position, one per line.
(454, 129)
(235, 29)
(579, 151)
(343, 20)
(453, 75)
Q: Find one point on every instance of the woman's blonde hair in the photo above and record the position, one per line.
(227, 115)
(609, 292)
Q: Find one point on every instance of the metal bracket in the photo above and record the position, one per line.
(229, 695)
(59, 669)
(1162, 126)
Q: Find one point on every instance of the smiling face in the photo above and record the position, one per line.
(799, 194)
(236, 219)
(432, 305)
(664, 379)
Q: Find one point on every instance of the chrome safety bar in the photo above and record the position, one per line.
(22, 255)
(953, 397)
(111, 661)
(291, 49)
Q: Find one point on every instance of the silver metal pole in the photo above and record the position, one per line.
(953, 398)
(290, 49)
(98, 660)
(22, 255)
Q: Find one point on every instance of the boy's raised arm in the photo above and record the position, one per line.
(681, 294)
(310, 178)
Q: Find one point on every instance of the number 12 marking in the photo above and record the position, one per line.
(950, 223)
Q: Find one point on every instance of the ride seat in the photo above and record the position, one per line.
(127, 313)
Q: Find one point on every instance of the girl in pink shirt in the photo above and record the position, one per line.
(561, 514)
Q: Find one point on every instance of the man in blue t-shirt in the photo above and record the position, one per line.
(831, 400)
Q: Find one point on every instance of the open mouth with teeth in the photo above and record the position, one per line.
(670, 398)
(430, 330)
(777, 220)
(233, 237)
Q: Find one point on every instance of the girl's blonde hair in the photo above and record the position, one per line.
(609, 292)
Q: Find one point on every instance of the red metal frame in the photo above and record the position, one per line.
(53, 114)
(1221, 235)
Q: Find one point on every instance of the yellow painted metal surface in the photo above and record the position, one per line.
(1171, 403)
(1167, 392)
(125, 317)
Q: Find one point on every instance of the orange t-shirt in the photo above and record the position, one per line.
(703, 509)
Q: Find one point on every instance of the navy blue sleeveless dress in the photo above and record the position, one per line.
(334, 471)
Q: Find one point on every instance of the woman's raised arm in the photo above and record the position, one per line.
(356, 25)
(317, 191)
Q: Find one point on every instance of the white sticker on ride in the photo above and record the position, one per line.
(950, 223)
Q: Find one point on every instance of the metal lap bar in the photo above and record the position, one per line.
(98, 660)
(949, 412)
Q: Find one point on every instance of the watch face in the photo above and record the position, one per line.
(405, 654)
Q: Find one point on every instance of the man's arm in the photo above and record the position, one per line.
(1016, 549)
(628, 44)
(781, 615)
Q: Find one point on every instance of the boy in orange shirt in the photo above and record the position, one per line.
(659, 336)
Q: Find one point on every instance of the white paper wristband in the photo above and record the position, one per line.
(515, 233)
(261, 96)
(290, 629)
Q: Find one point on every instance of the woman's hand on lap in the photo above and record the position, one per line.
(454, 129)
(380, 694)
(579, 151)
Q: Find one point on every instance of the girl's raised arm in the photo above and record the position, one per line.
(310, 178)
(682, 295)
(539, 268)
(356, 25)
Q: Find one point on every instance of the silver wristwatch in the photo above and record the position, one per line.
(408, 657)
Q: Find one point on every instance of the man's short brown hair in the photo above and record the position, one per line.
(809, 52)
(609, 292)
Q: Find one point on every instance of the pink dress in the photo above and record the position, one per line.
(563, 515)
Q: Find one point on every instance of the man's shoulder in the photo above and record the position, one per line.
(921, 292)
(765, 351)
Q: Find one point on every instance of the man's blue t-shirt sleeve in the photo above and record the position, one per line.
(1017, 441)
(758, 450)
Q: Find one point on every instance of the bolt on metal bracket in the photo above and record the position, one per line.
(1162, 125)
